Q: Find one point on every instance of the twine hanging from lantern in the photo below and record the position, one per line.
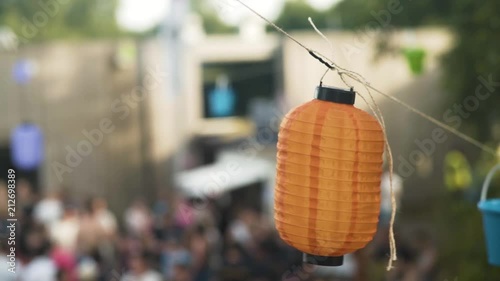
(329, 166)
(314, 177)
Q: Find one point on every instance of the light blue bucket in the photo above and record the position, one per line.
(491, 220)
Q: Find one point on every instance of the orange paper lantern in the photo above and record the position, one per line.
(329, 165)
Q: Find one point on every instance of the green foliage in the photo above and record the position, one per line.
(295, 13)
(357, 13)
(475, 54)
(353, 13)
(43, 20)
(5, 8)
(212, 24)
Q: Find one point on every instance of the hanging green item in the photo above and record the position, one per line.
(457, 172)
(416, 59)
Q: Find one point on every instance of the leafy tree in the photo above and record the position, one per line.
(211, 21)
(295, 13)
(476, 54)
(3, 10)
(44, 20)
(356, 13)
(353, 13)
(92, 18)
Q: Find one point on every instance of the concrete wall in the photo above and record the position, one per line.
(74, 90)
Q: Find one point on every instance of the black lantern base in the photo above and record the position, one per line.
(322, 260)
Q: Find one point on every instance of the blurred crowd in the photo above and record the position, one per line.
(173, 239)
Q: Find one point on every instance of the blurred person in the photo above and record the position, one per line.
(89, 233)
(49, 209)
(64, 233)
(153, 246)
(138, 219)
(105, 218)
(239, 229)
(106, 223)
(128, 246)
(263, 263)
(168, 229)
(141, 270)
(38, 266)
(174, 253)
(265, 256)
(88, 269)
(199, 247)
(183, 214)
(181, 273)
(94, 242)
(161, 207)
(66, 264)
(64, 238)
(236, 266)
(214, 242)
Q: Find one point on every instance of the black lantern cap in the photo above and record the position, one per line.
(335, 95)
(322, 260)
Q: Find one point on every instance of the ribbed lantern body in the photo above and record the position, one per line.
(329, 165)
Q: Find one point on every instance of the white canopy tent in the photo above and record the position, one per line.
(232, 171)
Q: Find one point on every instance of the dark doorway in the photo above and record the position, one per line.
(249, 80)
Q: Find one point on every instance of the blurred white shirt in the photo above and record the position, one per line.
(240, 232)
(64, 233)
(48, 211)
(137, 220)
(107, 221)
(39, 269)
(5, 274)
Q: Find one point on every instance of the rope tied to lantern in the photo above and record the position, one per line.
(359, 78)
(380, 118)
(332, 66)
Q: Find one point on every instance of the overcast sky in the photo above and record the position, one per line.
(141, 15)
